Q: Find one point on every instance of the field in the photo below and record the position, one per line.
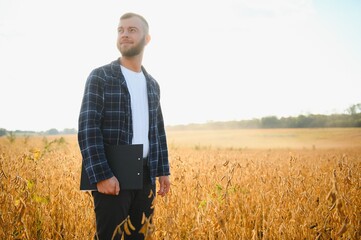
(226, 184)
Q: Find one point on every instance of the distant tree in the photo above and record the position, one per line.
(354, 109)
(269, 122)
(351, 110)
(52, 131)
(69, 131)
(2, 132)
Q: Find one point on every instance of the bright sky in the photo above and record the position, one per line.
(215, 60)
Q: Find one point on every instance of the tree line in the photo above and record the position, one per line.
(350, 119)
(52, 131)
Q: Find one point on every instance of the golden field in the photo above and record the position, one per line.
(226, 184)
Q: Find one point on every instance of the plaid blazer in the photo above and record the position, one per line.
(105, 118)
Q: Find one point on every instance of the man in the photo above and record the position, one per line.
(121, 105)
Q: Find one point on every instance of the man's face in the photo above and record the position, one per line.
(131, 37)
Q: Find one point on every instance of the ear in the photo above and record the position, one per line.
(147, 39)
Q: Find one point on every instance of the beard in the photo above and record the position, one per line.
(132, 51)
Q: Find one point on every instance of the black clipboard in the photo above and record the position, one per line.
(126, 162)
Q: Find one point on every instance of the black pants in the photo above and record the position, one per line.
(111, 210)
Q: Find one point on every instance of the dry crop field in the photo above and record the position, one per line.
(226, 184)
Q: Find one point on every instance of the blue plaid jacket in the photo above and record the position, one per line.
(105, 118)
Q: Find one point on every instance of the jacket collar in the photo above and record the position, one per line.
(117, 72)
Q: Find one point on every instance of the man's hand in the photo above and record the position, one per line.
(164, 187)
(109, 186)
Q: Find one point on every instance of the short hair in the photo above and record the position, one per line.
(130, 15)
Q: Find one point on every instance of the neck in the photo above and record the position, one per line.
(132, 63)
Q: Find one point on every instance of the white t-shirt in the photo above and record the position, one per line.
(139, 103)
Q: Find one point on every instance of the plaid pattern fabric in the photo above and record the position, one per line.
(105, 118)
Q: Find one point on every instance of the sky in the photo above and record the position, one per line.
(214, 60)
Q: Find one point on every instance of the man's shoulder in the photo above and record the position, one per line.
(110, 69)
(150, 78)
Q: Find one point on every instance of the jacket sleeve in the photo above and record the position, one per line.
(90, 137)
(163, 162)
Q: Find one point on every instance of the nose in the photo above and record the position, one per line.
(124, 34)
